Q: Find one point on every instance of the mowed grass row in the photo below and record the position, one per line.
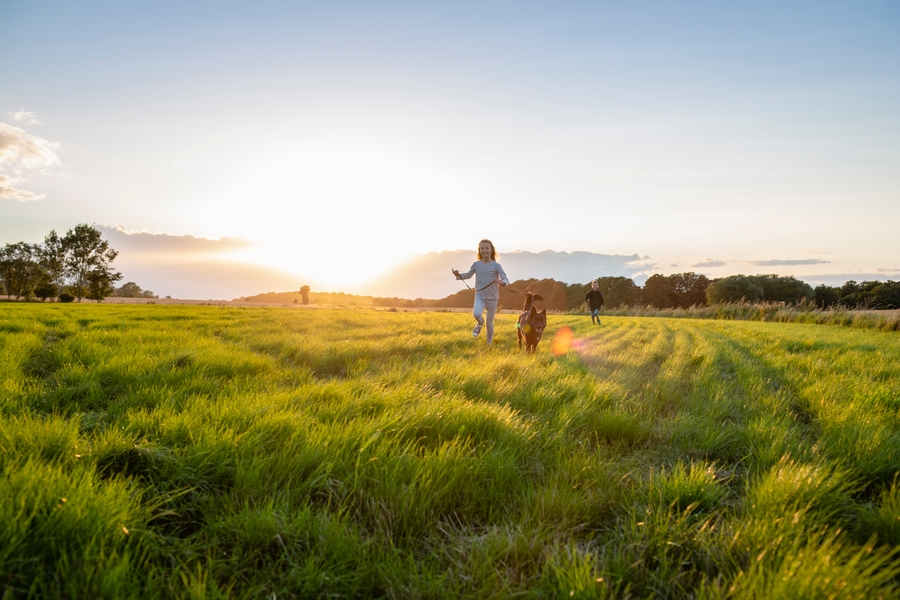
(202, 452)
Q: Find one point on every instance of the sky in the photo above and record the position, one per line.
(331, 143)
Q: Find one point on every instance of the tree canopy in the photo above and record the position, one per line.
(79, 263)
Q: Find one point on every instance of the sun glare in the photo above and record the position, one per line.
(337, 214)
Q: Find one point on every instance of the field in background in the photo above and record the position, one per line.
(203, 451)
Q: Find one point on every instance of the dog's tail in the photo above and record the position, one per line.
(530, 299)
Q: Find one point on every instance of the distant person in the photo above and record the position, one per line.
(489, 276)
(595, 300)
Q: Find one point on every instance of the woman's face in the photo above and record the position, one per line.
(485, 250)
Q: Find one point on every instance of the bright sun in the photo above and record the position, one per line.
(338, 214)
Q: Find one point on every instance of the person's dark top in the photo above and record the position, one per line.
(594, 299)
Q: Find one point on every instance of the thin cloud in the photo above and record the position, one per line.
(888, 271)
(163, 243)
(710, 262)
(780, 263)
(24, 116)
(20, 151)
(11, 193)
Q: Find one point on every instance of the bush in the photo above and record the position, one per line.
(64, 297)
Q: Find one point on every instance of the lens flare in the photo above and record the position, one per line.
(562, 341)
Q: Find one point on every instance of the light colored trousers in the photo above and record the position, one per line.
(482, 305)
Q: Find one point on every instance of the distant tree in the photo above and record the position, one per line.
(575, 294)
(44, 286)
(553, 293)
(18, 269)
(304, 294)
(128, 290)
(780, 288)
(689, 288)
(132, 290)
(659, 291)
(873, 294)
(100, 283)
(733, 289)
(88, 256)
(52, 257)
(826, 296)
(850, 294)
(886, 295)
(619, 291)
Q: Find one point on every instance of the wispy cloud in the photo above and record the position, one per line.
(20, 151)
(8, 191)
(710, 262)
(24, 116)
(888, 271)
(780, 262)
(164, 243)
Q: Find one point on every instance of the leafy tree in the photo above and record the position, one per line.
(575, 294)
(88, 253)
(733, 289)
(780, 288)
(52, 257)
(619, 291)
(44, 286)
(128, 290)
(886, 295)
(18, 269)
(826, 296)
(100, 284)
(871, 294)
(304, 294)
(552, 291)
(659, 291)
(132, 290)
(690, 289)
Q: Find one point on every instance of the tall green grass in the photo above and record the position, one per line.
(770, 312)
(207, 452)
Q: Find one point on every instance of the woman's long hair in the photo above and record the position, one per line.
(493, 250)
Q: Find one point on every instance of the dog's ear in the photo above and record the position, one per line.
(543, 312)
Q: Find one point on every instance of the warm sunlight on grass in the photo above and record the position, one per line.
(187, 452)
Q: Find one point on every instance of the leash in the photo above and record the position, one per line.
(488, 285)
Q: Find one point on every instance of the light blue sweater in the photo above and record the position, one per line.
(487, 278)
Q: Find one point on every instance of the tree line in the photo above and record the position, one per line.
(70, 267)
(680, 290)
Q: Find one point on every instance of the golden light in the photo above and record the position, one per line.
(562, 341)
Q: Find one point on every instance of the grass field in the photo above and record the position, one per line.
(205, 452)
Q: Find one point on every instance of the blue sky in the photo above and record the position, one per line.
(337, 140)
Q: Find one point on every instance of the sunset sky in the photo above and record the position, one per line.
(328, 142)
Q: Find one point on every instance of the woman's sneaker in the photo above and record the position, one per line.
(477, 330)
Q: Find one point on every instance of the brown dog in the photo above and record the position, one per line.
(531, 323)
